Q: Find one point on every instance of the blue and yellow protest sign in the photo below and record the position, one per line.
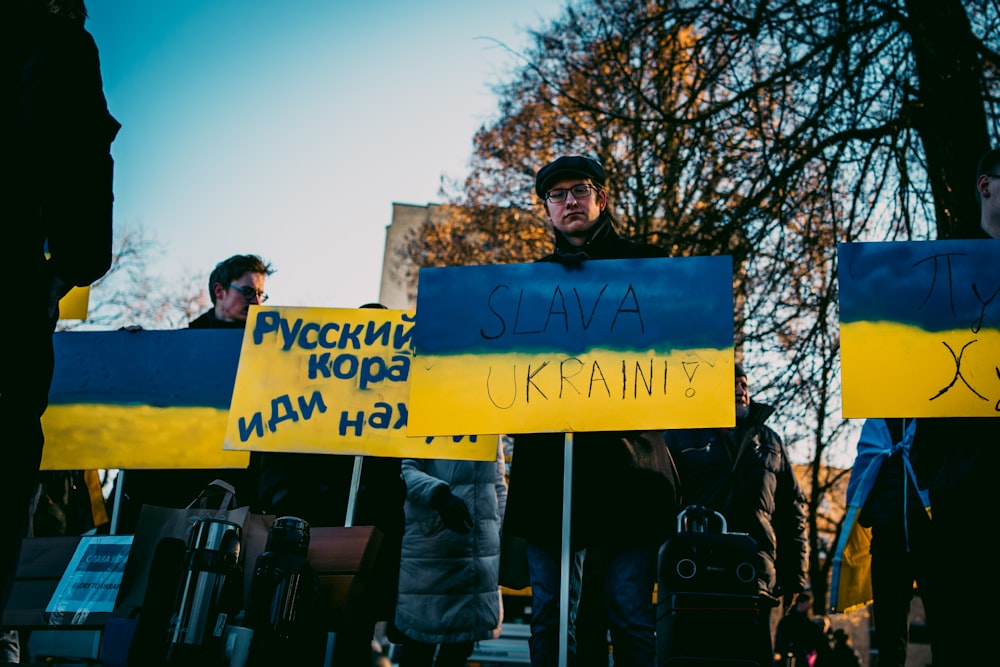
(612, 344)
(920, 328)
(334, 381)
(142, 399)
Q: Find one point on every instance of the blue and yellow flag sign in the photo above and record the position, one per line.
(334, 381)
(920, 328)
(143, 399)
(612, 344)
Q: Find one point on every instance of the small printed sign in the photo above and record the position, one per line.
(91, 581)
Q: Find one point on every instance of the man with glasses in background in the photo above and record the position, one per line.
(623, 504)
(234, 284)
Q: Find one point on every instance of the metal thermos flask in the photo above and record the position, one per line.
(281, 606)
(210, 595)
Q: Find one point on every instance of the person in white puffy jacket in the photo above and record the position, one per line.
(449, 596)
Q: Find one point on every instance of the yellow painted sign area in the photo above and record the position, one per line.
(559, 393)
(74, 305)
(136, 436)
(921, 368)
(335, 381)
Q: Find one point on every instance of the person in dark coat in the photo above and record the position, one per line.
(956, 459)
(234, 284)
(799, 640)
(623, 502)
(842, 652)
(744, 474)
(57, 228)
(901, 546)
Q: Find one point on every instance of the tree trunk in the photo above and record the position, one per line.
(950, 117)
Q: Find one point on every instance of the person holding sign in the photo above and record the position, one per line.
(899, 536)
(744, 473)
(623, 500)
(956, 459)
(234, 284)
(57, 229)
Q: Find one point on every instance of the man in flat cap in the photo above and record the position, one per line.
(573, 192)
(623, 485)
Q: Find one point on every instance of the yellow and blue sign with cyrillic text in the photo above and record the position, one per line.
(333, 380)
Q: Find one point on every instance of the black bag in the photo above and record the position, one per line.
(157, 523)
(708, 610)
(703, 557)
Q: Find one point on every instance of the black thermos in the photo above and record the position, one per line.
(210, 596)
(281, 608)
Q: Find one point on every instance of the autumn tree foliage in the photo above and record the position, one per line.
(768, 130)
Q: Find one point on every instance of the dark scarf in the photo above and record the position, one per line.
(602, 234)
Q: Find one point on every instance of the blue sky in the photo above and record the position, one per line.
(289, 127)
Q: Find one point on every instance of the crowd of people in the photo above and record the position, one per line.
(438, 577)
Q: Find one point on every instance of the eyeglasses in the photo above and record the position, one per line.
(581, 191)
(249, 292)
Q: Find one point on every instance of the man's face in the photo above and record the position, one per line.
(742, 397)
(574, 217)
(230, 303)
(989, 192)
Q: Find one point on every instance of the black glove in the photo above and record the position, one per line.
(453, 511)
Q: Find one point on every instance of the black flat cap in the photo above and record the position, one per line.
(568, 166)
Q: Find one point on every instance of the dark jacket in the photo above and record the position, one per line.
(623, 483)
(956, 452)
(208, 320)
(744, 473)
(57, 145)
(604, 243)
(55, 230)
